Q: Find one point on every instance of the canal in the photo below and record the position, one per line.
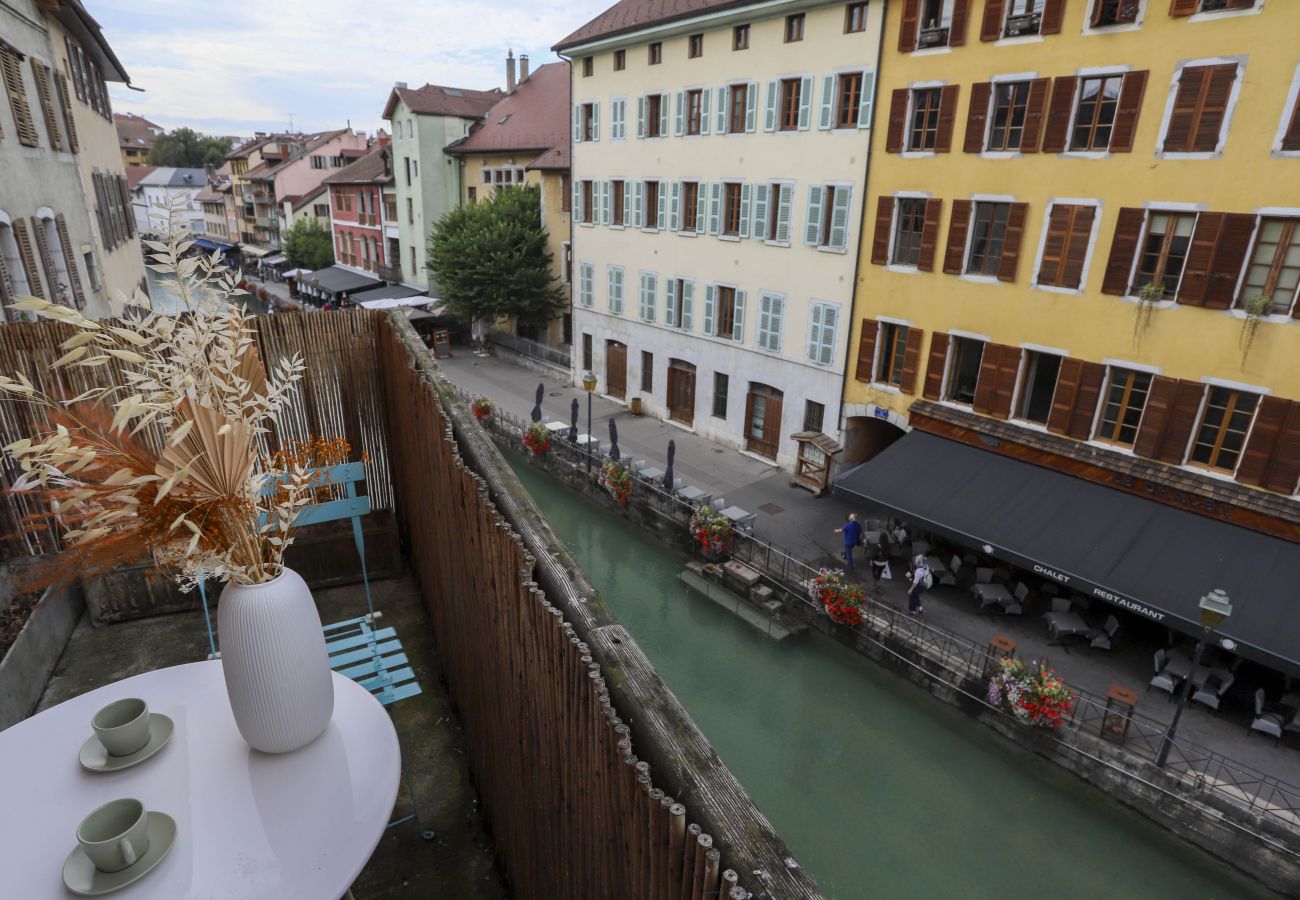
(164, 298)
(880, 790)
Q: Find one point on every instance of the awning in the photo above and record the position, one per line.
(336, 280)
(1147, 557)
(296, 273)
(274, 260)
(205, 244)
(251, 250)
(391, 295)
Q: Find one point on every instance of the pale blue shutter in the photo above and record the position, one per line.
(674, 208)
(805, 102)
(609, 275)
(701, 206)
(604, 203)
(620, 291)
(760, 211)
(577, 123)
(577, 201)
(830, 320)
(812, 226)
(640, 117)
(778, 313)
(722, 110)
(826, 114)
(814, 330)
(661, 216)
(670, 302)
(769, 112)
(705, 95)
(865, 100)
(642, 296)
(751, 106)
(663, 115)
(595, 121)
(783, 212)
(627, 203)
(710, 301)
(637, 219)
(840, 217)
(715, 207)
(746, 192)
(764, 319)
(687, 301)
(738, 322)
(614, 120)
(652, 290)
(677, 118)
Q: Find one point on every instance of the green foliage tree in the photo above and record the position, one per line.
(186, 148)
(491, 260)
(308, 244)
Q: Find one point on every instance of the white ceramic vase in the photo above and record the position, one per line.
(273, 656)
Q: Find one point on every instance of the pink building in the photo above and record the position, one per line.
(358, 214)
(298, 175)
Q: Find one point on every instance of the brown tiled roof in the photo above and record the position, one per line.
(369, 169)
(534, 117)
(557, 158)
(135, 173)
(254, 143)
(632, 15)
(437, 100)
(297, 201)
(209, 194)
(135, 131)
(313, 142)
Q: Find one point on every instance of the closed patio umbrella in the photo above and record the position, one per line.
(668, 470)
(613, 440)
(537, 410)
(573, 421)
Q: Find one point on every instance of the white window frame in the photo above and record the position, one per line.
(587, 300)
(1234, 96)
(1261, 213)
(774, 335)
(618, 125)
(1288, 108)
(912, 88)
(834, 338)
(1092, 244)
(995, 80)
(1217, 14)
(1089, 31)
(890, 265)
(976, 199)
(878, 350)
(1079, 74)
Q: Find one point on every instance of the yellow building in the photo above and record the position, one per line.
(1073, 208)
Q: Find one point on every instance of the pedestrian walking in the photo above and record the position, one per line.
(879, 563)
(919, 579)
(852, 531)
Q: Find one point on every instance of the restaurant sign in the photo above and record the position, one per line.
(1131, 605)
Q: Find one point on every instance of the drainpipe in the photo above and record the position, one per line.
(862, 224)
(575, 343)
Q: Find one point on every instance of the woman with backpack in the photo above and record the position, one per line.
(921, 580)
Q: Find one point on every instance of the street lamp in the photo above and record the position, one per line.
(589, 385)
(1215, 608)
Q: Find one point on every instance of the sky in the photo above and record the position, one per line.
(239, 66)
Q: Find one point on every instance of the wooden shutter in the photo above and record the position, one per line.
(1200, 256)
(866, 349)
(1123, 248)
(957, 24)
(1214, 107)
(1182, 7)
(6, 290)
(23, 240)
(884, 222)
(1074, 403)
(61, 83)
(977, 117)
(1155, 416)
(1008, 369)
(991, 26)
(1214, 259)
(1053, 15)
(1058, 115)
(986, 385)
(1183, 409)
(958, 226)
(934, 366)
(897, 121)
(947, 118)
(13, 78)
(1291, 139)
(69, 260)
(1035, 110)
(1067, 391)
(1058, 228)
(47, 260)
(1284, 469)
(929, 235)
(128, 217)
(41, 75)
(1076, 246)
(911, 360)
(1264, 435)
(1011, 241)
(1126, 115)
(1178, 133)
(907, 26)
(1085, 406)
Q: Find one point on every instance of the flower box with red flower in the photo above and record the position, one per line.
(711, 531)
(841, 599)
(481, 407)
(615, 478)
(1031, 692)
(537, 438)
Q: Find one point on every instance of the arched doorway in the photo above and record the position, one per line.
(865, 436)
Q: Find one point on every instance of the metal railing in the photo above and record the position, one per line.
(956, 660)
(556, 356)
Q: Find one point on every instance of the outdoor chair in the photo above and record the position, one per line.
(719, 504)
(1060, 605)
(1270, 718)
(983, 575)
(1162, 679)
(1021, 593)
(1214, 688)
(637, 465)
(1102, 637)
(954, 566)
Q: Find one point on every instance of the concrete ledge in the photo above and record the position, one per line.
(26, 668)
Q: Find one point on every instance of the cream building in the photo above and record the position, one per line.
(719, 153)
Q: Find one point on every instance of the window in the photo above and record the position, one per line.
(618, 213)
(823, 319)
(677, 302)
(1221, 5)
(814, 414)
(925, 119)
(588, 121)
(966, 355)
(791, 88)
(321, 210)
(935, 20)
(1224, 425)
(92, 269)
(415, 165)
(586, 284)
(1065, 249)
(1038, 386)
(848, 100)
(694, 111)
(739, 41)
(414, 267)
(1114, 12)
(731, 198)
(988, 231)
(616, 290)
(620, 60)
(651, 215)
(318, 162)
(909, 221)
(695, 46)
(587, 66)
(1094, 119)
(566, 274)
(656, 53)
(794, 28)
(1010, 101)
(586, 352)
(1164, 251)
(1199, 110)
(827, 222)
(720, 385)
(726, 313)
(586, 204)
(1126, 398)
(772, 212)
(653, 111)
(893, 350)
(1274, 269)
(736, 107)
(649, 295)
(410, 210)
(855, 17)
(771, 312)
(618, 118)
(690, 206)
(647, 372)
(1023, 17)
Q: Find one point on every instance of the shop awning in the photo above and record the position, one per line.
(391, 295)
(274, 259)
(1147, 557)
(205, 244)
(252, 250)
(336, 280)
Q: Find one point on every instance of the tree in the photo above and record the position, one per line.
(309, 245)
(186, 148)
(491, 260)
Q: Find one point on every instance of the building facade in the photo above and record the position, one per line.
(719, 154)
(167, 192)
(358, 216)
(136, 136)
(66, 229)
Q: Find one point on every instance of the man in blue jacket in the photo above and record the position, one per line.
(852, 531)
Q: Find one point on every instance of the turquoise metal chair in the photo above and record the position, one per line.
(357, 648)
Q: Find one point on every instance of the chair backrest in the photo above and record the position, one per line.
(1021, 591)
(1226, 683)
(1160, 660)
(678, 484)
(719, 505)
(983, 574)
(1060, 605)
(1259, 701)
(954, 564)
(344, 475)
(638, 465)
(1112, 625)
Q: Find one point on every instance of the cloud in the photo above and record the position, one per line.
(241, 67)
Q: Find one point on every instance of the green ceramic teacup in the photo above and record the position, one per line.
(122, 726)
(115, 835)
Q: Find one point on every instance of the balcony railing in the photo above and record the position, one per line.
(1018, 26)
(933, 36)
(389, 273)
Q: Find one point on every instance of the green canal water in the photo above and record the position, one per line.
(880, 790)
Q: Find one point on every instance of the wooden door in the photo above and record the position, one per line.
(763, 420)
(681, 392)
(616, 369)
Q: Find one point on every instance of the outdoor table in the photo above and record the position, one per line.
(936, 565)
(736, 514)
(693, 494)
(557, 428)
(992, 595)
(249, 824)
(652, 474)
(1180, 667)
(1064, 623)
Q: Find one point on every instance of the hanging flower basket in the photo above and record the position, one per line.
(537, 438)
(1031, 692)
(616, 479)
(841, 600)
(481, 407)
(711, 530)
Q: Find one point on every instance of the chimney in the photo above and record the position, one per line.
(400, 84)
(510, 71)
(523, 67)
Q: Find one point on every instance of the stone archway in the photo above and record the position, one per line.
(865, 436)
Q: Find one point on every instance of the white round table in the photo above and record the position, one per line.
(249, 824)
